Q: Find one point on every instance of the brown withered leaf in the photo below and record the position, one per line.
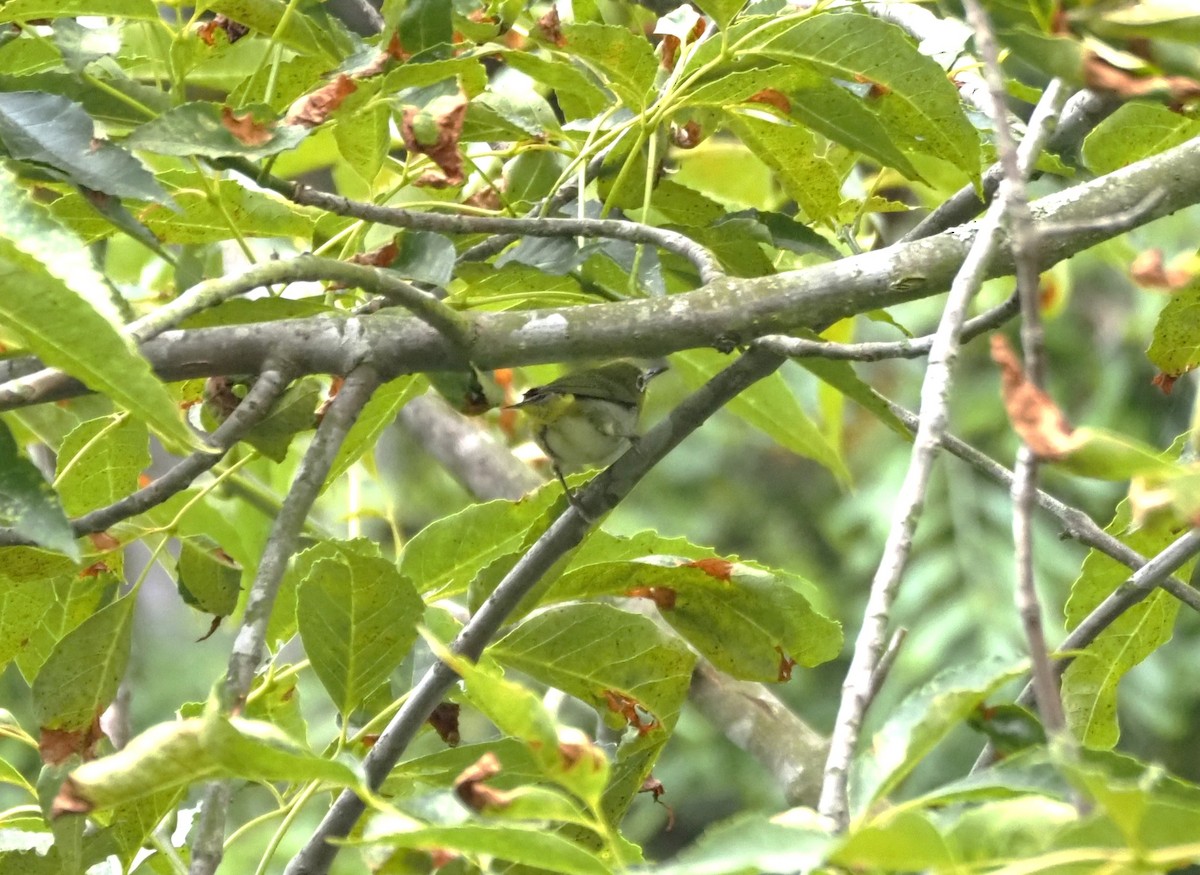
(1100, 75)
(444, 721)
(244, 128)
(381, 257)
(655, 788)
(313, 108)
(549, 28)
(662, 596)
(234, 30)
(58, 745)
(487, 198)
(104, 542)
(771, 97)
(1164, 382)
(434, 131)
(1036, 419)
(721, 569)
(475, 794)
(670, 51)
(213, 626)
(1149, 271)
(96, 568)
(576, 750)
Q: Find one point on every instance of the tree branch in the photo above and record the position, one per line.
(597, 498)
(869, 646)
(250, 644)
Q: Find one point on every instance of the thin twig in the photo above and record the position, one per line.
(597, 498)
(874, 351)
(250, 644)
(1024, 249)
(250, 411)
(1077, 525)
(616, 229)
(935, 389)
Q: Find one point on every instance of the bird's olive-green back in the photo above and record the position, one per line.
(619, 382)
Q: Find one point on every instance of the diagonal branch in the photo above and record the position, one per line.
(250, 645)
(597, 498)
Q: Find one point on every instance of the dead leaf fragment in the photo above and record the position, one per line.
(1035, 417)
(630, 710)
(69, 800)
(314, 108)
(549, 28)
(662, 596)
(687, 137)
(1100, 75)
(244, 128)
(444, 721)
(475, 794)
(1149, 271)
(786, 664)
(234, 30)
(1164, 382)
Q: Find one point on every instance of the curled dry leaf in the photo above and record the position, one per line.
(434, 130)
(1149, 271)
(786, 664)
(655, 788)
(1034, 416)
(473, 792)
(313, 108)
(234, 30)
(444, 721)
(630, 710)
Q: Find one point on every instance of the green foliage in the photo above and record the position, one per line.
(153, 153)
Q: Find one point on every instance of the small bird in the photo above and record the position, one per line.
(588, 417)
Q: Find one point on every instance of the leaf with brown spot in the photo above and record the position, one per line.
(1036, 419)
(69, 801)
(244, 128)
(58, 745)
(876, 90)
(103, 541)
(670, 50)
(721, 569)
(630, 710)
(434, 131)
(662, 596)
(314, 108)
(771, 97)
(381, 257)
(95, 569)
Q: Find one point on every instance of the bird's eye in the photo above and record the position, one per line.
(641, 383)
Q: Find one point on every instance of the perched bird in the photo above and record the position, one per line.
(588, 417)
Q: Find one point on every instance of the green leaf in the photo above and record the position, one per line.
(878, 63)
(377, 415)
(308, 29)
(752, 842)
(363, 138)
(531, 846)
(842, 377)
(426, 24)
(1135, 131)
(293, 413)
(28, 578)
(172, 756)
(74, 598)
(517, 712)
(29, 505)
(445, 555)
(721, 11)
(1175, 347)
(358, 618)
(613, 660)
(208, 580)
(99, 462)
(203, 130)
(769, 406)
(23, 10)
(791, 151)
(80, 678)
(894, 843)
(577, 94)
(625, 60)
(749, 623)
(923, 719)
(52, 294)
(1089, 685)
(50, 129)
